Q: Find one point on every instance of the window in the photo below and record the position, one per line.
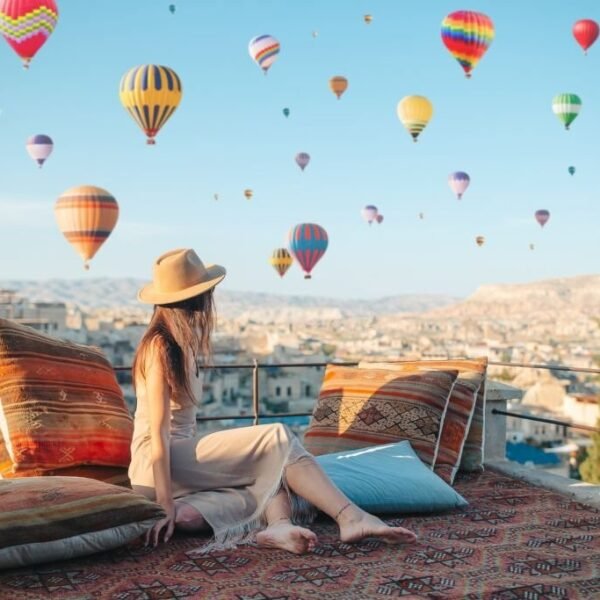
(307, 390)
(289, 391)
(278, 391)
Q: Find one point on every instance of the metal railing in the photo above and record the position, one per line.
(256, 415)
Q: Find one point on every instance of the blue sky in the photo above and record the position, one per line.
(229, 134)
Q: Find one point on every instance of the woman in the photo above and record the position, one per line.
(246, 483)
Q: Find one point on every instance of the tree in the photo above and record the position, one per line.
(590, 467)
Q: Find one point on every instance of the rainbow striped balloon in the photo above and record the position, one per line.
(86, 215)
(263, 50)
(467, 35)
(308, 242)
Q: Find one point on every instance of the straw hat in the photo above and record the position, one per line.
(179, 275)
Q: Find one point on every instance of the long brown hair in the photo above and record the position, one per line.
(178, 330)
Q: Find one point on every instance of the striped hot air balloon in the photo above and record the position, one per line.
(308, 242)
(86, 215)
(150, 93)
(467, 35)
(414, 113)
(459, 182)
(566, 107)
(27, 24)
(281, 260)
(39, 147)
(302, 159)
(264, 50)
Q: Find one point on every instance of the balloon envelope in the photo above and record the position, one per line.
(39, 147)
(281, 260)
(172, 8)
(542, 216)
(459, 182)
(27, 24)
(566, 107)
(414, 113)
(151, 94)
(263, 50)
(585, 32)
(308, 243)
(467, 35)
(248, 193)
(571, 170)
(368, 19)
(286, 112)
(480, 240)
(369, 213)
(302, 159)
(86, 215)
(338, 85)
(379, 218)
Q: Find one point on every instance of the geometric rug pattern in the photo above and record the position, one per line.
(513, 542)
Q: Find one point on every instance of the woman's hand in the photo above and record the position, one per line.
(165, 526)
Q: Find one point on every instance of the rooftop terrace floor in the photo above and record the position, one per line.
(514, 541)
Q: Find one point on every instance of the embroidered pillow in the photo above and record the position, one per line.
(53, 518)
(366, 407)
(460, 422)
(60, 405)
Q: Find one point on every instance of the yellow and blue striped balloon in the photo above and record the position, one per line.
(150, 93)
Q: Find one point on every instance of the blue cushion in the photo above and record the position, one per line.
(389, 479)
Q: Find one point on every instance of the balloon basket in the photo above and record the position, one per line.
(86, 266)
(307, 276)
(151, 141)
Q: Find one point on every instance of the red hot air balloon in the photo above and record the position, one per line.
(542, 216)
(585, 32)
(308, 242)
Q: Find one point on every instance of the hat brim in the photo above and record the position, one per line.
(149, 295)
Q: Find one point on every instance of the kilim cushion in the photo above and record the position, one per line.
(53, 518)
(60, 405)
(389, 479)
(461, 438)
(366, 407)
(114, 475)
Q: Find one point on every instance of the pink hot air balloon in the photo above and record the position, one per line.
(369, 213)
(379, 218)
(302, 159)
(459, 182)
(542, 216)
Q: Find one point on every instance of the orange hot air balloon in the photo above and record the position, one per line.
(338, 85)
(248, 193)
(368, 19)
(86, 215)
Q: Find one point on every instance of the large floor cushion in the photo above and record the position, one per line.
(389, 479)
(53, 518)
(461, 439)
(60, 404)
(368, 407)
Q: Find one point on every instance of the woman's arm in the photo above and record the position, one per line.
(159, 394)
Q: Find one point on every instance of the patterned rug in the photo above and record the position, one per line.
(514, 541)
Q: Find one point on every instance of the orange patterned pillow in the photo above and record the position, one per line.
(60, 405)
(461, 438)
(367, 407)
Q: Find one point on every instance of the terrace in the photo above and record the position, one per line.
(526, 534)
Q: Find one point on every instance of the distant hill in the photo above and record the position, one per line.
(121, 292)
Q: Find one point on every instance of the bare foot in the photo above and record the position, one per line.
(357, 524)
(287, 537)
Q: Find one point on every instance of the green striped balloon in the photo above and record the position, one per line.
(566, 107)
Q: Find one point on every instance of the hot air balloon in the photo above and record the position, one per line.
(379, 219)
(531, 246)
(571, 170)
(286, 112)
(585, 32)
(368, 19)
(302, 159)
(480, 240)
(27, 24)
(264, 50)
(369, 213)
(150, 93)
(315, 34)
(307, 242)
(172, 8)
(467, 35)
(39, 148)
(566, 107)
(216, 196)
(421, 216)
(338, 85)
(248, 193)
(281, 260)
(459, 182)
(86, 215)
(542, 216)
(414, 113)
